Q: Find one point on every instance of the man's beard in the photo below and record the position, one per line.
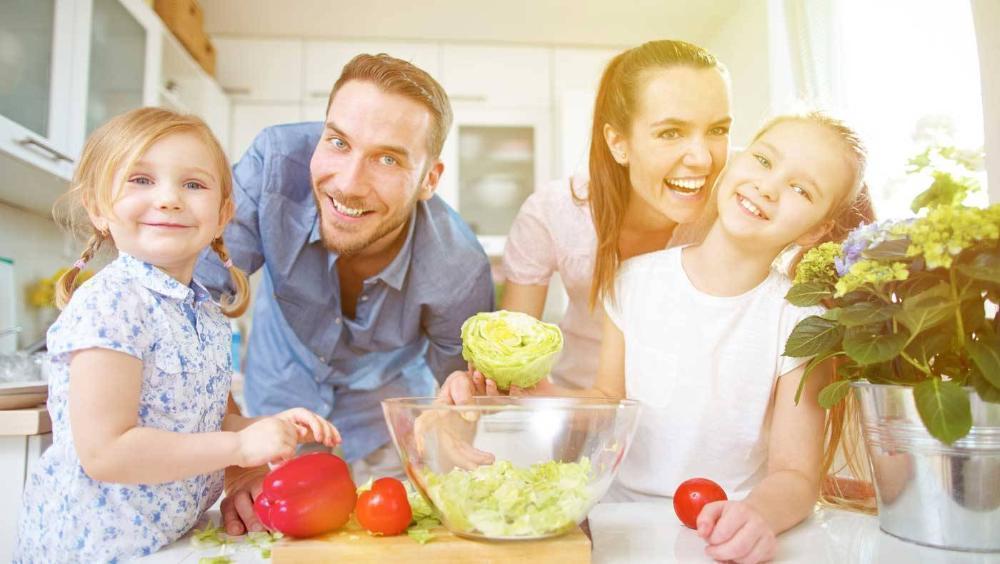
(347, 248)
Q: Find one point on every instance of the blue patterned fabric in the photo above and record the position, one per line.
(183, 341)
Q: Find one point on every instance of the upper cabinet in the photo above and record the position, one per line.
(37, 82)
(119, 46)
(497, 76)
(262, 70)
(68, 66)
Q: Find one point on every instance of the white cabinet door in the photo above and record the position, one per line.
(324, 60)
(494, 158)
(36, 64)
(249, 119)
(267, 70)
(497, 76)
(576, 76)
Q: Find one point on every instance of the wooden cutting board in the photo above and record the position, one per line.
(355, 546)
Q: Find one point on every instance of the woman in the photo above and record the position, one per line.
(659, 139)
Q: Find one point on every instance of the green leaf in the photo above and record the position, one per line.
(879, 373)
(866, 313)
(888, 250)
(833, 393)
(984, 266)
(832, 314)
(868, 345)
(944, 408)
(808, 294)
(986, 390)
(813, 335)
(985, 353)
(816, 361)
(926, 346)
(927, 309)
(973, 314)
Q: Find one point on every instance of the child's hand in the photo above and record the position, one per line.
(269, 439)
(735, 531)
(311, 427)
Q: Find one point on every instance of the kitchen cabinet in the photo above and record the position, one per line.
(494, 158)
(576, 76)
(185, 87)
(38, 81)
(249, 119)
(261, 70)
(495, 76)
(68, 66)
(24, 435)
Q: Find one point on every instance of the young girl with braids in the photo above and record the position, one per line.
(141, 355)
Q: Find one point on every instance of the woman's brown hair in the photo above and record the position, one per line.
(116, 146)
(615, 105)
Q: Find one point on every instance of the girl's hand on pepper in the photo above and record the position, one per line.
(270, 439)
(311, 427)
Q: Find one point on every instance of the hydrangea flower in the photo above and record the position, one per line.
(948, 230)
(868, 272)
(818, 264)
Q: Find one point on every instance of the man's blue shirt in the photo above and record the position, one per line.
(303, 351)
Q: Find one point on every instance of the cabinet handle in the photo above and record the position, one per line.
(468, 97)
(236, 90)
(170, 85)
(53, 154)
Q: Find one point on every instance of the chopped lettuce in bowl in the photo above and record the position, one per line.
(510, 347)
(502, 501)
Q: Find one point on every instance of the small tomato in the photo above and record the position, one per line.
(384, 509)
(694, 494)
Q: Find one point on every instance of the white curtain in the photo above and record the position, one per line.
(986, 15)
(811, 32)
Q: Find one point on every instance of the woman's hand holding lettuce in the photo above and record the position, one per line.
(511, 348)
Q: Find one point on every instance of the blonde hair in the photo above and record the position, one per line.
(615, 104)
(115, 147)
(843, 447)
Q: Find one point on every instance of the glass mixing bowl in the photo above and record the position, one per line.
(503, 468)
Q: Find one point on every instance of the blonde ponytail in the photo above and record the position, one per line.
(67, 282)
(235, 305)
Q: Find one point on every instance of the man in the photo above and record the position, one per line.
(368, 275)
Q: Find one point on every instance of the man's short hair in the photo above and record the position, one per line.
(396, 76)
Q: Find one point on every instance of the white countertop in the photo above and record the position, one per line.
(633, 533)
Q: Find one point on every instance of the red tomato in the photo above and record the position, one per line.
(306, 496)
(694, 494)
(384, 509)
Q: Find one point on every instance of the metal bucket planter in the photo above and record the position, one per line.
(931, 493)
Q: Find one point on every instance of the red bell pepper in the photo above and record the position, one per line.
(306, 496)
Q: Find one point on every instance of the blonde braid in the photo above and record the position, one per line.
(235, 305)
(65, 285)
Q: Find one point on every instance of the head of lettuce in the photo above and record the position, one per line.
(511, 348)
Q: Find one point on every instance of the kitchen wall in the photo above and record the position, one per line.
(38, 248)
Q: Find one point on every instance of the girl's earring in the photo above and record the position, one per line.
(622, 158)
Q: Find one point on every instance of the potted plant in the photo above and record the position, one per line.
(913, 329)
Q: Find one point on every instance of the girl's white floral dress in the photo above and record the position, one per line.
(183, 340)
